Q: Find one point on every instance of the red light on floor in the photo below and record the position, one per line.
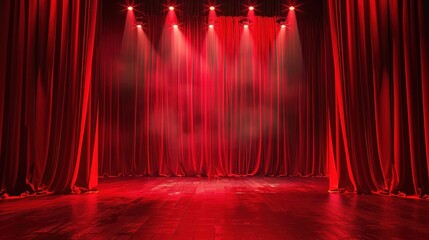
(251, 8)
(291, 8)
(212, 8)
(130, 8)
(171, 8)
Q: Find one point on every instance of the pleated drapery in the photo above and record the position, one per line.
(48, 111)
(221, 101)
(341, 91)
(379, 122)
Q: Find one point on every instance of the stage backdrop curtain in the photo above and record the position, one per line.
(227, 101)
(379, 121)
(48, 114)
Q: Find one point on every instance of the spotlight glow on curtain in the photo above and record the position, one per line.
(200, 101)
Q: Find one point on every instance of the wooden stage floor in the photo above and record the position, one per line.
(224, 208)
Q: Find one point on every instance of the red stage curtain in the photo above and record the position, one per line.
(380, 119)
(227, 101)
(48, 114)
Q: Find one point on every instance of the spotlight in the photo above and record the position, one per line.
(139, 22)
(212, 8)
(130, 8)
(175, 26)
(251, 8)
(291, 8)
(281, 21)
(171, 8)
(245, 22)
(211, 26)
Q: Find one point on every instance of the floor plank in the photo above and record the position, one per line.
(224, 208)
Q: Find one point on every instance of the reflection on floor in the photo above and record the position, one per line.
(224, 208)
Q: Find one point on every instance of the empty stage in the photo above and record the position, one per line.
(224, 208)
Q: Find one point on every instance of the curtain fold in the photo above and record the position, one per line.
(380, 63)
(48, 110)
(222, 101)
(343, 89)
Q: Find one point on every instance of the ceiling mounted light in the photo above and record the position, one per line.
(281, 21)
(139, 22)
(245, 22)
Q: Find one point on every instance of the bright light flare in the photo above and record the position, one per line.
(212, 8)
(283, 26)
(246, 26)
(130, 8)
(139, 26)
(251, 8)
(291, 8)
(171, 8)
(211, 26)
(175, 26)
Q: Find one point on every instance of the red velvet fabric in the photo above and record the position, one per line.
(48, 114)
(85, 93)
(227, 101)
(380, 119)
